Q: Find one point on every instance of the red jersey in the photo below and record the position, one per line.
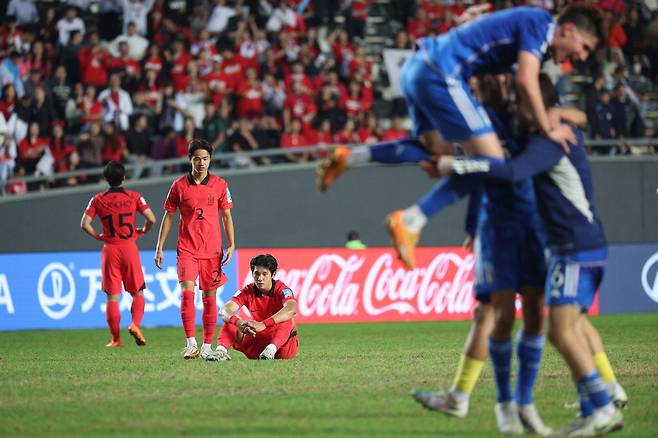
(116, 208)
(264, 305)
(199, 204)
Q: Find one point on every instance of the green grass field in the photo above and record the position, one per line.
(349, 380)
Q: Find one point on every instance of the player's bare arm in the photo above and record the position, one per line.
(572, 116)
(150, 220)
(85, 224)
(165, 227)
(287, 312)
(229, 315)
(227, 219)
(527, 80)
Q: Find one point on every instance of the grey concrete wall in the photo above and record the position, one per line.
(282, 208)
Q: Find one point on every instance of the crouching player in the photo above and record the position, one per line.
(273, 333)
(120, 261)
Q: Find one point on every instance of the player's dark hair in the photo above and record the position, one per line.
(266, 260)
(197, 144)
(548, 91)
(114, 173)
(585, 17)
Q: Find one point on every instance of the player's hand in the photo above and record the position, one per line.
(468, 243)
(100, 237)
(159, 256)
(141, 230)
(228, 255)
(256, 326)
(429, 167)
(564, 135)
(245, 328)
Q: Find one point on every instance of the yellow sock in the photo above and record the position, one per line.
(604, 368)
(468, 372)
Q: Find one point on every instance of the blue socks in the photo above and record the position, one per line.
(529, 349)
(446, 192)
(403, 150)
(593, 394)
(501, 358)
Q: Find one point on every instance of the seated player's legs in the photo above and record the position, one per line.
(188, 271)
(133, 283)
(570, 288)
(282, 336)
(111, 262)
(211, 276)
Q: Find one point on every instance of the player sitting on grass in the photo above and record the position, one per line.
(578, 248)
(272, 334)
(120, 260)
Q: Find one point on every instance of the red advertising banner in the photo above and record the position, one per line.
(342, 285)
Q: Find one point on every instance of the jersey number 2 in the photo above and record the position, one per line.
(199, 212)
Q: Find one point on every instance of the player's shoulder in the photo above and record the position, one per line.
(531, 12)
(216, 180)
(281, 288)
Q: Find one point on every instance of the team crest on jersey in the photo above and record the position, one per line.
(211, 200)
(287, 293)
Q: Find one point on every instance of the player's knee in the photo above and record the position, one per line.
(482, 314)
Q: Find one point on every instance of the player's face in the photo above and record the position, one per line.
(200, 161)
(262, 278)
(573, 44)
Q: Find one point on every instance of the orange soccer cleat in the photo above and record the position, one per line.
(332, 167)
(114, 343)
(404, 240)
(136, 333)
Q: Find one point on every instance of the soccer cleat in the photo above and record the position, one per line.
(114, 343)
(190, 352)
(532, 422)
(207, 354)
(507, 418)
(221, 355)
(580, 427)
(268, 353)
(443, 402)
(332, 167)
(617, 394)
(404, 240)
(136, 333)
(595, 425)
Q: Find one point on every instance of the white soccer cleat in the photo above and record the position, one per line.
(507, 418)
(617, 394)
(443, 402)
(268, 353)
(580, 427)
(598, 424)
(219, 355)
(190, 352)
(532, 422)
(206, 353)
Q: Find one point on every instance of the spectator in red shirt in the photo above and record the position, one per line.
(94, 63)
(92, 110)
(395, 131)
(31, 149)
(419, 26)
(348, 134)
(250, 96)
(356, 20)
(131, 68)
(219, 83)
(370, 133)
(114, 146)
(342, 48)
(8, 101)
(354, 103)
(184, 138)
(297, 74)
(433, 8)
(298, 106)
(324, 136)
(445, 23)
(153, 61)
(295, 139)
(65, 155)
(360, 64)
(179, 60)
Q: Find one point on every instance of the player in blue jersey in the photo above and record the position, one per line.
(509, 257)
(578, 248)
(443, 110)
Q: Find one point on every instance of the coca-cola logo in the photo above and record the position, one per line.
(372, 285)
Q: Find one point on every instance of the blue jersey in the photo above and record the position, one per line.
(491, 43)
(563, 187)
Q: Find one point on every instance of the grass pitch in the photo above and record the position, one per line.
(349, 380)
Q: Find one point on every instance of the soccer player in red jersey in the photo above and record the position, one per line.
(200, 197)
(120, 262)
(273, 333)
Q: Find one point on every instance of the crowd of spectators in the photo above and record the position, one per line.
(88, 81)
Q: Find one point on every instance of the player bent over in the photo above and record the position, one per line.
(273, 333)
(120, 262)
(201, 199)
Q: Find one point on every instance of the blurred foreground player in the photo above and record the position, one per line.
(200, 197)
(120, 260)
(273, 333)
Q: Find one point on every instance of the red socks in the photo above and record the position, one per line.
(228, 334)
(209, 318)
(137, 309)
(113, 319)
(188, 313)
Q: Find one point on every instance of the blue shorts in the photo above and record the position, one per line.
(508, 257)
(439, 103)
(573, 279)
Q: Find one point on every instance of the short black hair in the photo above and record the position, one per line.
(548, 91)
(197, 144)
(352, 235)
(265, 260)
(114, 173)
(585, 17)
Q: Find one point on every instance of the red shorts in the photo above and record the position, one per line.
(253, 346)
(121, 263)
(209, 271)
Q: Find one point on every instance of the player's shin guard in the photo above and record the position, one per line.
(188, 312)
(137, 309)
(604, 368)
(403, 150)
(446, 192)
(209, 318)
(468, 372)
(501, 358)
(529, 349)
(228, 334)
(281, 334)
(113, 319)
